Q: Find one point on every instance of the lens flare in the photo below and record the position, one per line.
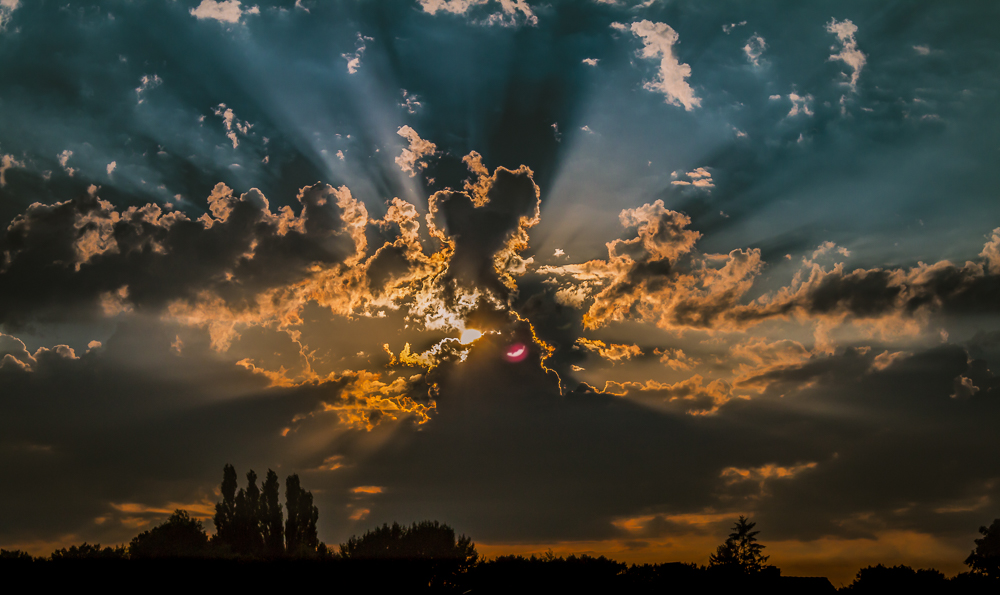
(516, 352)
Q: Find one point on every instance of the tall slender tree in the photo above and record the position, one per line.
(248, 536)
(300, 528)
(225, 510)
(271, 516)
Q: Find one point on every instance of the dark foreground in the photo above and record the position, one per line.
(504, 575)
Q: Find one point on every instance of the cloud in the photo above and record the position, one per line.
(354, 60)
(591, 61)
(728, 28)
(692, 396)
(147, 82)
(676, 359)
(7, 162)
(209, 272)
(801, 104)
(613, 352)
(991, 252)
(658, 41)
(754, 48)
(414, 156)
(111, 167)
(7, 8)
(511, 11)
(656, 277)
(63, 159)
(224, 11)
(849, 53)
(699, 178)
(923, 50)
(233, 124)
(411, 102)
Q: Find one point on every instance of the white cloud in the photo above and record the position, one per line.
(411, 160)
(298, 4)
(587, 129)
(555, 130)
(7, 8)
(658, 41)
(559, 253)
(340, 155)
(606, 1)
(354, 60)
(112, 166)
(7, 162)
(591, 61)
(619, 26)
(224, 11)
(146, 83)
(801, 104)
(728, 28)
(754, 49)
(64, 159)
(508, 15)
(233, 124)
(700, 178)
(849, 53)
(923, 50)
(411, 102)
(774, 97)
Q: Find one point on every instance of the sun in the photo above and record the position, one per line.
(469, 335)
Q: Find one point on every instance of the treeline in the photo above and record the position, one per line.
(256, 539)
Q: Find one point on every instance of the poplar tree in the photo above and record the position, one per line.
(225, 511)
(247, 535)
(300, 528)
(271, 516)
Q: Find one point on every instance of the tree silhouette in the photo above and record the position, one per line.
(271, 516)
(428, 540)
(87, 551)
(300, 528)
(247, 534)
(180, 536)
(985, 559)
(740, 552)
(225, 510)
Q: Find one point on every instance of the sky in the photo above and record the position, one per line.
(593, 276)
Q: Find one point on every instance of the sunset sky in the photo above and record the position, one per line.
(590, 275)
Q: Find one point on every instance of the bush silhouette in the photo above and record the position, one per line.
(180, 536)
(428, 540)
(903, 579)
(87, 551)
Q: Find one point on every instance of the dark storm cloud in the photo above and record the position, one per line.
(62, 260)
(483, 225)
(656, 276)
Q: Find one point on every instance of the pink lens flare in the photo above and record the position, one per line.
(516, 352)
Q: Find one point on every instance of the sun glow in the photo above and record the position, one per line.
(469, 335)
